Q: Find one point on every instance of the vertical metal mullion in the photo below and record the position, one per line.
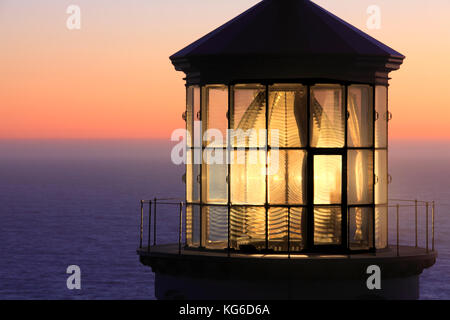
(180, 229)
(374, 247)
(230, 114)
(267, 168)
(201, 167)
(387, 165)
(344, 205)
(310, 177)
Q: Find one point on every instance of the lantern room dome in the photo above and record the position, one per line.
(287, 39)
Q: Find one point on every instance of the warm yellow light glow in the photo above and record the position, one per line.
(327, 179)
(247, 178)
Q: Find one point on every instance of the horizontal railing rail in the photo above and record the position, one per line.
(396, 204)
(153, 203)
(416, 204)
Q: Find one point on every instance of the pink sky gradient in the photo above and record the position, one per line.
(113, 78)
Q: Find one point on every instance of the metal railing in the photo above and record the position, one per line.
(398, 204)
(153, 203)
(416, 205)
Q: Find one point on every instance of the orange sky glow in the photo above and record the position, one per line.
(113, 78)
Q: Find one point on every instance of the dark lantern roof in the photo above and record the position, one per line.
(287, 39)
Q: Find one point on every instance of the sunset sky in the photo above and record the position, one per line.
(113, 78)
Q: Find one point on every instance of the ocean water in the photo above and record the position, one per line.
(77, 203)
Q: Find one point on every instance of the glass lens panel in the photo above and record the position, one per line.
(248, 181)
(327, 179)
(327, 225)
(216, 231)
(381, 177)
(214, 175)
(189, 175)
(297, 228)
(382, 120)
(193, 225)
(193, 175)
(287, 115)
(278, 228)
(196, 103)
(361, 228)
(327, 116)
(215, 108)
(280, 224)
(360, 176)
(189, 115)
(360, 121)
(287, 177)
(248, 116)
(381, 226)
(248, 227)
(196, 117)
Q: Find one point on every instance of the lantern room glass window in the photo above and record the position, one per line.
(360, 176)
(248, 115)
(214, 115)
(360, 231)
(327, 225)
(287, 177)
(248, 182)
(247, 227)
(287, 228)
(192, 115)
(304, 167)
(327, 179)
(327, 116)
(193, 157)
(381, 118)
(381, 177)
(381, 198)
(214, 174)
(193, 225)
(381, 226)
(360, 116)
(215, 227)
(288, 119)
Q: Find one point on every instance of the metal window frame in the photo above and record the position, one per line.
(344, 247)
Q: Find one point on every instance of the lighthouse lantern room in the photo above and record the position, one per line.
(286, 163)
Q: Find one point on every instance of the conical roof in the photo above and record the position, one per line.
(285, 39)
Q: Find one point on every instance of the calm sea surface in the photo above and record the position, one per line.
(77, 203)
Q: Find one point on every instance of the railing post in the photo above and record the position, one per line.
(432, 226)
(180, 228)
(149, 223)
(398, 246)
(415, 209)
(426, 203)
(141, 228)
(154, 223)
